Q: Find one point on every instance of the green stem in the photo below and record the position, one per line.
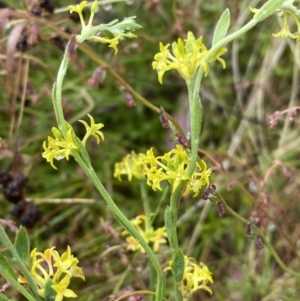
(89, 171)
(148, 224)
(122, 219)
(261, 235)
(267, 9)
(146, 204)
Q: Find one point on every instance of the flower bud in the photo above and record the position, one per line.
(94, 7)
(71, 54)
(209, 192)
(221, 209)
(56, 133)
(248, 229)
(182, 140)
(163, 119)
(129, 99)
(97, 77)
(259, 243)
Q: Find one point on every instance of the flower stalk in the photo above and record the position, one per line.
(89, 33)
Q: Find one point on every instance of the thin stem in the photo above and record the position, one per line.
(146, 204)
(89, 171)
(261, 235)
(122, 219)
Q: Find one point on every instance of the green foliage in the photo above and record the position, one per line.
(256, 169)
(22, 245)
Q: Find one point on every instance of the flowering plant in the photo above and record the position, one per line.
(180, 173)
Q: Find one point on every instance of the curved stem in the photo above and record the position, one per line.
(262, 236)
(122, 219)
(89, 171)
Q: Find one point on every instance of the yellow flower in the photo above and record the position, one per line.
(132, 165)
(59, 148)
(196, 276)
(172, 167)
(92, 130)
(285, 31)
(78, 9)
(113, 42)
(62, 290)
(187, 57)
(51, 267)
(156, 237)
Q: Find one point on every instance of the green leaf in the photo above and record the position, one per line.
(50, 293)
(5, 265)
(221, 27)
(22, 244)
(178, 265)
(268, 9)
(9, 274)
(169, 223)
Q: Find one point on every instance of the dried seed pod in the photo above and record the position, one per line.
(208, 192)
(221, 209)
(259, 243)
(182, 140)
(97, 77)
(248, 229)
(163, 119)
(71, 47)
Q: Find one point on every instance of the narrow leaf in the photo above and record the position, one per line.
(221, 27)
(50, 293)
(169, 223)
(5, 264)
(178, 265)
(8, 273)
(22, 244)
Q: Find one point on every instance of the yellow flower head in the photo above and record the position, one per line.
(132, 165)
(110, 33)
(187, 57)
(196, 276)
(172, 168)
(58, 270)
(285, 31)
(92, 130)
(59, 148)
(155, 237)
(78, 9)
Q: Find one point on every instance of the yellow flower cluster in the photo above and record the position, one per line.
(195, 277)
(114, 35)
(170, 167)
(156, 237)
(59, 148)
(132, 165)
(49, 267)
(187, 57)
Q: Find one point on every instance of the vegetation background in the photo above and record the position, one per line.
(256, 169)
